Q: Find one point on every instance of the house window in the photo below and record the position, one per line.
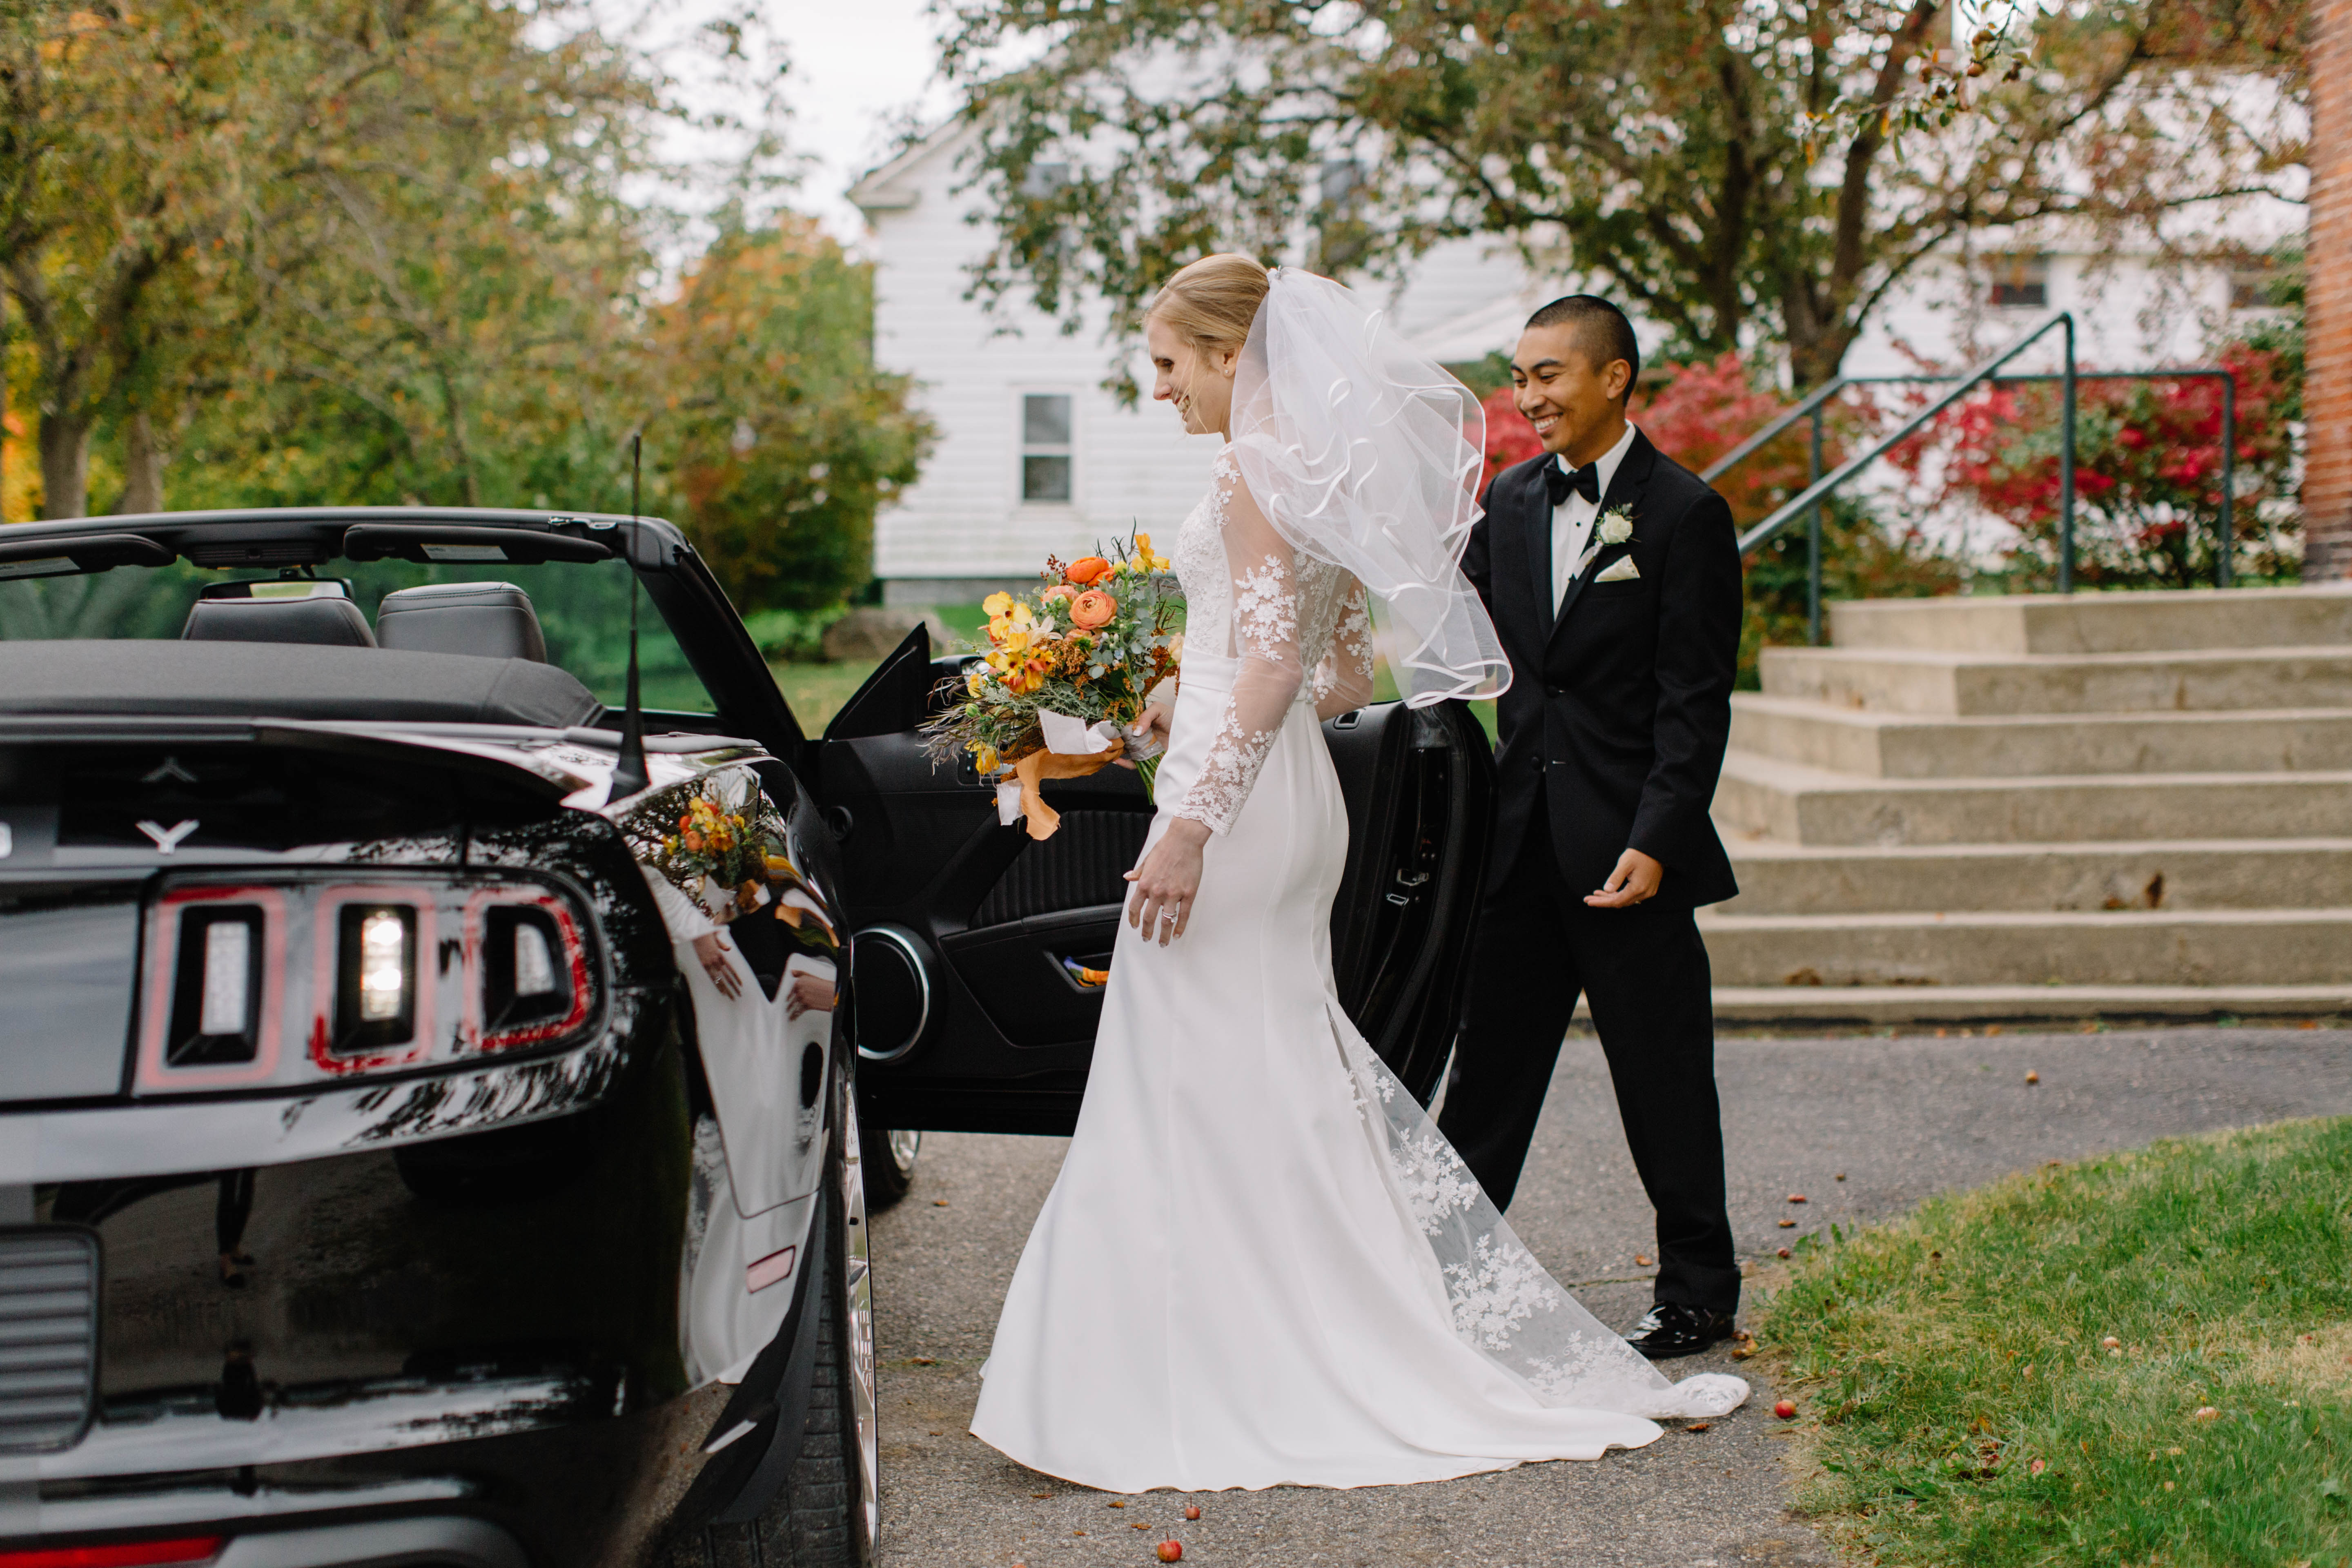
(1045, 447)
(2250, 286)
(2021, 280)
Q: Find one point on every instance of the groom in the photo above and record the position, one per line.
(1611, 572)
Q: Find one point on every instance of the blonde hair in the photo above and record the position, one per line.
(1212, 302)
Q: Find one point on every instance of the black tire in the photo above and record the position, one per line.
(824, 1515)
(890, 1163)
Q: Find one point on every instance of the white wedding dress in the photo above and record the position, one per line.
(1261, 1265)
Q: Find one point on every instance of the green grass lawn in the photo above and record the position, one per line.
(1963, 1407)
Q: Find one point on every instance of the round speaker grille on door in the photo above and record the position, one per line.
(894, 992)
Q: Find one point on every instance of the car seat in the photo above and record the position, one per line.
(489, 620)
(333, 621)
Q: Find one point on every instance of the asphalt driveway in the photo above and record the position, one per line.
(1863, 1127)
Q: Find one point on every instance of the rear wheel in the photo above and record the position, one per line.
(827, 1512)
(890, 1164)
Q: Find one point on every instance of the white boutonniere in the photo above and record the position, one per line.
(1614, 526)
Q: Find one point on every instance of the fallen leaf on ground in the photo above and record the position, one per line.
(921, 1361)
(2032, 1077)
(1117, 1504)
(1640, 1261)
(1140, 1524)
(938, 1203)
(1796, 1197)
(1788, 1225)
(1696, 1427)
(1041, 1494)
(1841, 1176)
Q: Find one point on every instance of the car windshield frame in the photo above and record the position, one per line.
(677, 582)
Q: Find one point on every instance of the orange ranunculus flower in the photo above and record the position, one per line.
(1086, 569)
(1063, 591)
(1093, 608)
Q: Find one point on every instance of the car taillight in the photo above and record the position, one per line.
(383, 988)
(186, 1548)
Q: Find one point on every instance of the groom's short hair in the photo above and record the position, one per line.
(1600, 328)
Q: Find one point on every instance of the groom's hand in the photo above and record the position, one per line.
(1635, 879)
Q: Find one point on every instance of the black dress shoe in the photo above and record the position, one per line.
(1670, 1329)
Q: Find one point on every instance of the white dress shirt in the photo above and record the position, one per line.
(1573, 520)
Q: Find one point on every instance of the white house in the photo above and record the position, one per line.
(1034, 456)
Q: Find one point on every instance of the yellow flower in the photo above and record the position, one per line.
(974, 681)
(996, 604)
(1020, 615)
(984, 758)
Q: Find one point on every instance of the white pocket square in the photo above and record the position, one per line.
(1621, 570)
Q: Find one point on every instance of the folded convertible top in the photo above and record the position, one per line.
(285, 680)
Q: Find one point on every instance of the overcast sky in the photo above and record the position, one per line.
(859, 70)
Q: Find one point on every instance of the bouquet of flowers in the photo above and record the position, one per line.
(1068, 667)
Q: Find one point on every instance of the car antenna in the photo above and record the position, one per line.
(629, 775)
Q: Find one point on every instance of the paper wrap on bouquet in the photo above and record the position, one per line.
(1074, 750)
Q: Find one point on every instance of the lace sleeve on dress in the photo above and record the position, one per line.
(1343, 681)
(1264, 631)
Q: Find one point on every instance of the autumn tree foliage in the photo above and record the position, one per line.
(779, 434)
(1729, 170)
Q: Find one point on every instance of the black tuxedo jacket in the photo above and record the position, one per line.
(1620, 705)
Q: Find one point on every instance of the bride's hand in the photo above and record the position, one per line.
(1151, 724)
(1167, 880)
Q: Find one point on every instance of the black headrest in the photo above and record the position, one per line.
(334, 622)
(489, 620)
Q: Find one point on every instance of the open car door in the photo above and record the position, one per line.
(978, 954)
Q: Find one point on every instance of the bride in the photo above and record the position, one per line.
(1261, 1265)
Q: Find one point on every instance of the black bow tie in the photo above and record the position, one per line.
(1585, 481)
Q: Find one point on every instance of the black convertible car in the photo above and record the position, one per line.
(439, 1099)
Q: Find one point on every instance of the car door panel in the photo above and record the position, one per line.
(971, 1014)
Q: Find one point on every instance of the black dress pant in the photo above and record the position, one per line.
(1645, 970)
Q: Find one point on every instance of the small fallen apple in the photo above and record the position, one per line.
(1788, 1225)
(2032, 1077)
(1172, 1552)
(2035, 1469)
(1786, 1410)
(2206, 1413)
(1784, 1252)
(1192, 1511)
(2110, 1342)
(1841, 1176)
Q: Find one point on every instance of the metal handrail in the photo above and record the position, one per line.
(1772, 527)
(1741, 453)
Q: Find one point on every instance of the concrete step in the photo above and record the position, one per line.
(2213, 947)
(1907, 747)
(1968, 685)
(1779, 879)
(1798, 1007)
(1798, 805)
(2101, 622)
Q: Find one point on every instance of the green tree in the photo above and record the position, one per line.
(406, 211)
(776, 429)
(1724, 167)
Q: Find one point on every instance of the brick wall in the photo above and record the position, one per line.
(2328, 471)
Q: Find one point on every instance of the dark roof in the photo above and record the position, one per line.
(285, 680)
